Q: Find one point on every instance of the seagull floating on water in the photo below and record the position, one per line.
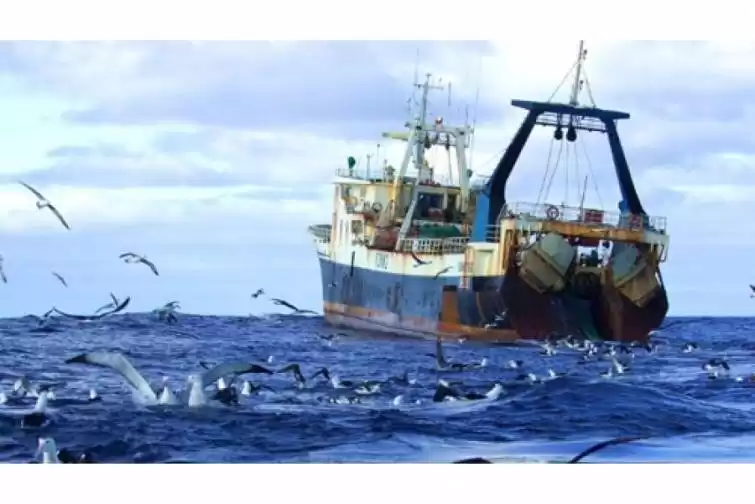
(441, 364)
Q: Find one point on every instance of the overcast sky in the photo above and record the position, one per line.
(213, 158)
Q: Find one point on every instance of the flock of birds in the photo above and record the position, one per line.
(225, 383)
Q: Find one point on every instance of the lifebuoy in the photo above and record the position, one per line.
(377, 207)
(552, 213)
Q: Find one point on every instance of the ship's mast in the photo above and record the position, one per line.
(577, 84)
(419, 140)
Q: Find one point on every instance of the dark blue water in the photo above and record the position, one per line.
(665, 395)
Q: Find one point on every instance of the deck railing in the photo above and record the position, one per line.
(584, 216)
(321, 232)
(454, 245)
(378, 175)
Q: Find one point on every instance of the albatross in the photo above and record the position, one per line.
(94, 316)
(442, 364)
(43, 202)
(59, 277)
(131, 258)
(281, 302)
(200, 381)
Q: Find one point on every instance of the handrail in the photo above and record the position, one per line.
(454, 245)
(583, 216)
(379, 175)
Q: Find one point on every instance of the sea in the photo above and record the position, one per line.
(664, 395)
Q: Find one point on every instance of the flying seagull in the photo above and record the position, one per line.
(131, 258)
(257, 294)
(95, 316)
(418, 262)
(42, 202)
(281, 302)
(2, 270)
(62, 280)
(110, 305)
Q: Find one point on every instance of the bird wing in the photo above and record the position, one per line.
(442, 391)
(127, 254)
(115, 299)
(752, 287)
(36, 193)
(79, 317)
(59, 216)
(416, 259)
(439, 356)
(104, 307)
(151, 265)
(604, 444)
(302, 312)
(121, 306)
(2, 275)
(62, 280)
(121, 365)
(234, 368)
(286, 304)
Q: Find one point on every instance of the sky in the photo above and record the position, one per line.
(212, 158)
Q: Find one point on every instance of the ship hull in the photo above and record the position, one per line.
(411, 305)
(492, 309)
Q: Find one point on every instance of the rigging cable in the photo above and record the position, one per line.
(592, 176)
(563, 81)
(553, 173)
(547, 170)
(566, 171)
(589, 89)
(576, 172)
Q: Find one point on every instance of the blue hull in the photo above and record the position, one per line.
(414, 305)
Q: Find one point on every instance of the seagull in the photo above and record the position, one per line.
(2, 270)
(94, 316)
(752, 288)
(38, 417)
(298, 375)
(257, 294)
(442, 364)
(49, 451)
(167, 312)
(444, 270)
(418, 262)
(444, 393)
(108, 306)
(689, 347)
(94, 396)
(131, 258)
(62, 280)
(42, 202)
(281, 302)
(199, 381)
(121, 365)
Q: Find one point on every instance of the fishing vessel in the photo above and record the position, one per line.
(413, 254)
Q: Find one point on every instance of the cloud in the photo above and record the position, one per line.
(329, 88)
(86, 208)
